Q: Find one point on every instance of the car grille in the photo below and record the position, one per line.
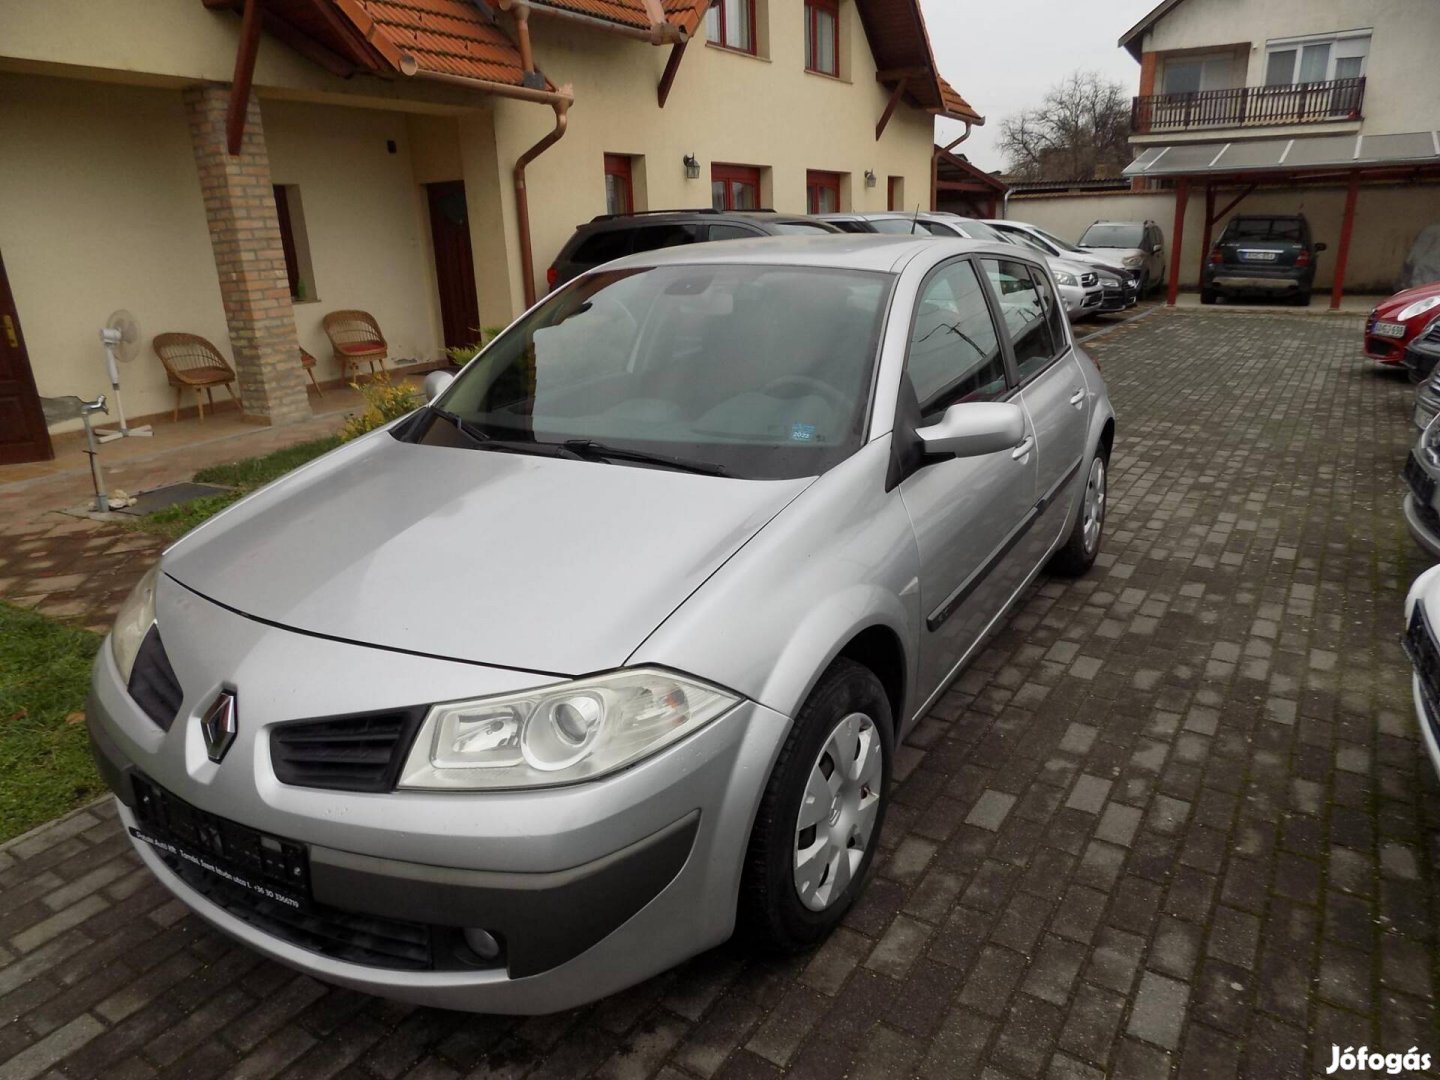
(345, 753)
(1088, 279)
(153, 683)
(1425, 655)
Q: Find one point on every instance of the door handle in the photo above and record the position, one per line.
(1078, 396)
(1022, 450)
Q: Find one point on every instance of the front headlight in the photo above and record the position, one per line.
(1062, 278)
(1134, 261)
(559, 734)
(133, 622)
(1419, 307)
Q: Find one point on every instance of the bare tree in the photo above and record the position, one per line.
(1078, 131)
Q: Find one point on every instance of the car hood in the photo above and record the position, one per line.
(547, 564)
(1392, 306)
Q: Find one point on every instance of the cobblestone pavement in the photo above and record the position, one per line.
(1174, 821)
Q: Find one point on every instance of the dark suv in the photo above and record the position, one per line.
(1265, 254)
(611, 236)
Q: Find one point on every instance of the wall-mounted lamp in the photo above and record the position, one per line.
(692, 167)
(869, 177)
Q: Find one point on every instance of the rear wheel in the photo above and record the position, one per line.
(1301, 299)
(1083, 544)
(1208, 296)
(819, 821)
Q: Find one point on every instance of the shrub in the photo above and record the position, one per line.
(385, 400)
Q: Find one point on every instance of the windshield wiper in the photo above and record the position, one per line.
(601, 451)
(461, 425)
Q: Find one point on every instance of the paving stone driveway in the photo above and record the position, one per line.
(1175, 821)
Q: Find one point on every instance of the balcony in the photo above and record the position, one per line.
(1249, 106)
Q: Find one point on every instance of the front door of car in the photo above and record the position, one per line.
(966, 512)
(1053, 390)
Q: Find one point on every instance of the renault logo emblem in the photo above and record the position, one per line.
(218, 725)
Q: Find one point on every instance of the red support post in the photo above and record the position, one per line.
(1347, 225)
(1177, 238)
(1209, 228)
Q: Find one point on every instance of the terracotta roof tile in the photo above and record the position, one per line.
(955, 105)
(447, 36)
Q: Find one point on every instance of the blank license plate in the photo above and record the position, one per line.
(1389, 329)
(1258, 256)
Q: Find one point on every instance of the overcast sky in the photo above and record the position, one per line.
(1003, 56)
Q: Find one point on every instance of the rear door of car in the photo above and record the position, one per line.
(1053, 391)
(966, 512)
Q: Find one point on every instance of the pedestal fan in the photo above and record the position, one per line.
(121, 338)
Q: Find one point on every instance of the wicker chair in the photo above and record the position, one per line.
(356, 339)
(193, 363)
(307, 362)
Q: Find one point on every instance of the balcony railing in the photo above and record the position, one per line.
(1250, 106)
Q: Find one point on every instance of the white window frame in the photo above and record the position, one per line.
(1297, 44)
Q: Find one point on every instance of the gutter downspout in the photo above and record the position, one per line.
(935, 163)
(522, 202)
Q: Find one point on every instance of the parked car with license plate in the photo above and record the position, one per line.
(1022, 232)
(1395, 322)
(1268, 255)
(535, 692)
(1137, 246)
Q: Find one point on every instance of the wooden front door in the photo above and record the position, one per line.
(23, 436)
(454, 263)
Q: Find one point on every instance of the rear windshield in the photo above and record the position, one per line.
(899, 226)
(1113, 236)
(1287, 229)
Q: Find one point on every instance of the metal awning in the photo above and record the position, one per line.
(1316, 153)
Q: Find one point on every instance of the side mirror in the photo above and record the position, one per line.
(435, 384)
(1320, 247)
(973, 428)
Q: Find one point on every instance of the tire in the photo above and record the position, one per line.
(1301, 299)
(1083, 543)
(1207, 296)
(773, 913)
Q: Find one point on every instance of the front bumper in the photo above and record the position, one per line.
(590, 888)
(1078, 300)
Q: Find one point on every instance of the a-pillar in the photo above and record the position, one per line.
(245, 237)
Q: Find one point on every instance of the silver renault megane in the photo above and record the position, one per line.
(606, 650)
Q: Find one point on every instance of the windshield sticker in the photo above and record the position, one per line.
(802, 432)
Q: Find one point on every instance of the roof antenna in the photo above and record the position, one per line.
(914, 221)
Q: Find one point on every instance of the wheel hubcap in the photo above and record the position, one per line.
(1094, 505)
(837, 815)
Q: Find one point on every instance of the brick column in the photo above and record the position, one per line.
(245, 236)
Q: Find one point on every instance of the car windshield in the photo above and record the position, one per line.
(1063, 245)
(1286, 229)
(756, 371)
(899, 226)
(1026, 240)
(1113, 236)
(978, 230)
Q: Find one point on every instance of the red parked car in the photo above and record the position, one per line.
(1394, 322)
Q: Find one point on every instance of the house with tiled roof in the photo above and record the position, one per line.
(237, 169)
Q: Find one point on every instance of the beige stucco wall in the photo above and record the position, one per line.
(100, 209)
(1402, 78)
(1387, 220)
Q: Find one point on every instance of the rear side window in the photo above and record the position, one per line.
(601, 247)
(1028, 308)
(654, 237)
(954, 347)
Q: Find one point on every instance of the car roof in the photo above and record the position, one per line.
(844, 251)
(1134, 221)
(604, 222)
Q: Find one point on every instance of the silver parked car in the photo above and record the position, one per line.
(539, 690)
(1050, 244)
(1138, 246)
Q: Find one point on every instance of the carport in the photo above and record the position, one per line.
(1237, 168)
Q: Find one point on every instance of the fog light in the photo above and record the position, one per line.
(482, 943)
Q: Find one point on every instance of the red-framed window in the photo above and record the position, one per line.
(822, 192)
(822, 36)
(734, 187)
(895, 193)
(619, 188)
(731, 24)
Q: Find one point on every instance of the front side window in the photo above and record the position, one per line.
(954, 352)
(762, 371)
(731, 24)
(822, 192)
(822, 34)
(1027, 311)
(734, 187)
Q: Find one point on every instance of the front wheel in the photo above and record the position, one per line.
(819, 821)
(1083, 544)
(1207, 296)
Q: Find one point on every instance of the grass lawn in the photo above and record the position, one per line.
(244, 476)
(45, 766)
